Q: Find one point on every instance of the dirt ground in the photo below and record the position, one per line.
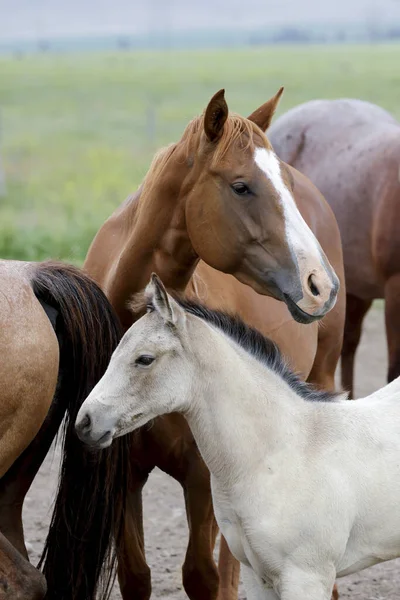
(164, 516)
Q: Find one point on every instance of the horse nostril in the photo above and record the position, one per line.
(313, 288)
(86, 424)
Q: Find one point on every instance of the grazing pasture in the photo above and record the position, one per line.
(78, 131)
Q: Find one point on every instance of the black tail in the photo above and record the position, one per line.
(88, 514)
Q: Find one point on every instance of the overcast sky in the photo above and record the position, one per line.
(54, 18)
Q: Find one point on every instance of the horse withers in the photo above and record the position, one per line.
(305, 483)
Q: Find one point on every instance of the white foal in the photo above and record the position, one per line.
(306, 485)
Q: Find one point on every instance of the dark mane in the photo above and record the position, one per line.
(262, 348)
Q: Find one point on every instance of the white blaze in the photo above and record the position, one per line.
(300, 237)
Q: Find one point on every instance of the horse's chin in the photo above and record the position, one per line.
(267, 287)
(104, 442)
(299, 314)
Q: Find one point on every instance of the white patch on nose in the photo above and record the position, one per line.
(300, 237)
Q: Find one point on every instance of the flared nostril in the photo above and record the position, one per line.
(313, 288)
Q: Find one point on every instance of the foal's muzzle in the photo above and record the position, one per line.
(90, 435)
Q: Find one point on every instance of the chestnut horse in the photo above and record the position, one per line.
(53, 351)
(351, 150)
(220, 217)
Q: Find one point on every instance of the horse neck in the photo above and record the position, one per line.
(154, 239)
(242, 413)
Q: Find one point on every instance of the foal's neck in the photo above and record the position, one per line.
(244, 415)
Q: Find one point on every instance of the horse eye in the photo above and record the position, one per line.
(241, 189)
(144, 360)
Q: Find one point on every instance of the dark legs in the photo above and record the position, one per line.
(330, 340)
(356, 309)
(200, 575)
(14, 486)
(392, 318)
(229, 573)
(19, 580)
(133, 572)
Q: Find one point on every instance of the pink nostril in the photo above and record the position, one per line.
(313, 288)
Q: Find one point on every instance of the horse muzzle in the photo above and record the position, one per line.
(92, 433)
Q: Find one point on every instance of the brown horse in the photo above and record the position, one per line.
(351, 151)
(217, 210)
(57, 333)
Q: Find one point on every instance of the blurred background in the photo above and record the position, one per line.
(90, 89)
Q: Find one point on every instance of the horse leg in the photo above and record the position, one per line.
(134, 574)
(356, 309)
(392, 319)
(11, 525)
(15, 484)
(330, 340)
(171, 445)
(229, 573)
(19, 580)
(200, 574)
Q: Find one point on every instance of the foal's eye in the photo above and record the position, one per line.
(240, 189)
(145, 360)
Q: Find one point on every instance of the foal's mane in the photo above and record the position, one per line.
(259, 346)
(251, 340)
(235, 127)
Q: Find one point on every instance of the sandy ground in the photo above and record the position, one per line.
(165, 522)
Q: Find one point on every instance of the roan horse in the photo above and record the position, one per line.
(218, 210)
(351, 150)
(305, 483)
(57, 334)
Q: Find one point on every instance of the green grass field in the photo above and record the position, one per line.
(77, 132)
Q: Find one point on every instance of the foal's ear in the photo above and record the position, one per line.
(263, 115)
(164, 304)
(215, 116)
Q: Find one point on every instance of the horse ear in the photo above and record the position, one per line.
(215, 116)
(263, 115)
(164, 304)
